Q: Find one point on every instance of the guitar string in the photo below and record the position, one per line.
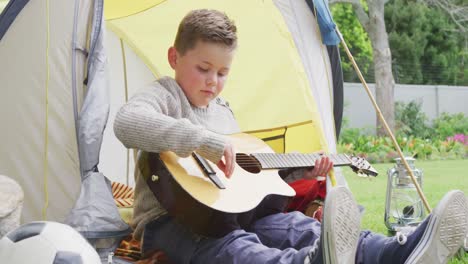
(253, 159)
(250, 162)
(250, 156)
(247, 161)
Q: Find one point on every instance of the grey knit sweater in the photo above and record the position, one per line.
(160, 118)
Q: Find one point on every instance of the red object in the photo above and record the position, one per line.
(307, 191)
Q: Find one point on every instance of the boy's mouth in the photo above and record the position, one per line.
(207, 92)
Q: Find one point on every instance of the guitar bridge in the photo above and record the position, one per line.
(208, 170)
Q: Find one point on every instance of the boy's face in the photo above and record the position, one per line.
(201, 71)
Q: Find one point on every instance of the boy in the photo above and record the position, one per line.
(184, 115)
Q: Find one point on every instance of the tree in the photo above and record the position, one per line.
(426, 47)
(372, 20)
(407, 27)
(358, 43)
(458, 11)
(442, 52)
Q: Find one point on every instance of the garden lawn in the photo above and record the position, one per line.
(438, 178)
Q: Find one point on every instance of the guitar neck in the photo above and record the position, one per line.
(297, 160)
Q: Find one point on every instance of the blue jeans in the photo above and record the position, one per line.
(278, 238)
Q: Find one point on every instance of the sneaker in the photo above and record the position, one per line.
(434, 241)
(445, 231)
(340, 229)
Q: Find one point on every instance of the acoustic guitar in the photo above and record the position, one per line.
(197, 193)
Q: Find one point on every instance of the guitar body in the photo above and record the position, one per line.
(184, 190)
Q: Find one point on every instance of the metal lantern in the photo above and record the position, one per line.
(403, 205)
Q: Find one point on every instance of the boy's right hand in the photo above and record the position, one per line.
(229, 155)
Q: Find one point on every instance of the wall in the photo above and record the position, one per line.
(435, 99)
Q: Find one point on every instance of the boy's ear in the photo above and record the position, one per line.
(172, 57)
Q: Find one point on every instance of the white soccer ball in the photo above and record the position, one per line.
(46, 243)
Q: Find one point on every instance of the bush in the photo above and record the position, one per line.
(448, 125)
(411, 121)
(349, 135)
(381, 149)
(446, 138)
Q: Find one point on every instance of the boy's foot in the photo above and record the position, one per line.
(445, 231)
(435, 240)
(340, 229)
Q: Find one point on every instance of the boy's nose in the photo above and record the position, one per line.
(212, 80)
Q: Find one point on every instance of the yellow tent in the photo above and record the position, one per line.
(279, 62)
(55, 56)
(3, 3)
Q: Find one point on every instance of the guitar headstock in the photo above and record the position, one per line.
(362, 166)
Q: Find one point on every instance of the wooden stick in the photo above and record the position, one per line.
(382, 119)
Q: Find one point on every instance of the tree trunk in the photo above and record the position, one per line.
(384, 82)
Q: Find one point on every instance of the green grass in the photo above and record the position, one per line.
(439, 177)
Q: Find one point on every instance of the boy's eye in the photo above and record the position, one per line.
(223, 73)
(202, 69)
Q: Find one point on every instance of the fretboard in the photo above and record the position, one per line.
(297, 160)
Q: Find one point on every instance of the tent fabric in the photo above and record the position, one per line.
(129, 43)
(3, 4)
(39, 149)
(95, 109)
(96, 187)
(95, 214)
(250, 82)
(127, 73)
(301, 24)
(42, 79)
(123, 8)
(330, 38)
(56, 98)
(12, 9)
(317, 64)
(338, 92)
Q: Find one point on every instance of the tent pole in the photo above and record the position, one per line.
(382, 119)
(124, 64)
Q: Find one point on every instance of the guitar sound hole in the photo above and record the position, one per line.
(248, 163)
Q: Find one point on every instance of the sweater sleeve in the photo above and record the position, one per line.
(292, 175)
(146, 122)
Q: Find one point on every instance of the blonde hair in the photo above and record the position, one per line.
(206, 25)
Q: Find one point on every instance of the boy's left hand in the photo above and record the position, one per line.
(228, 165)
(322, 168)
